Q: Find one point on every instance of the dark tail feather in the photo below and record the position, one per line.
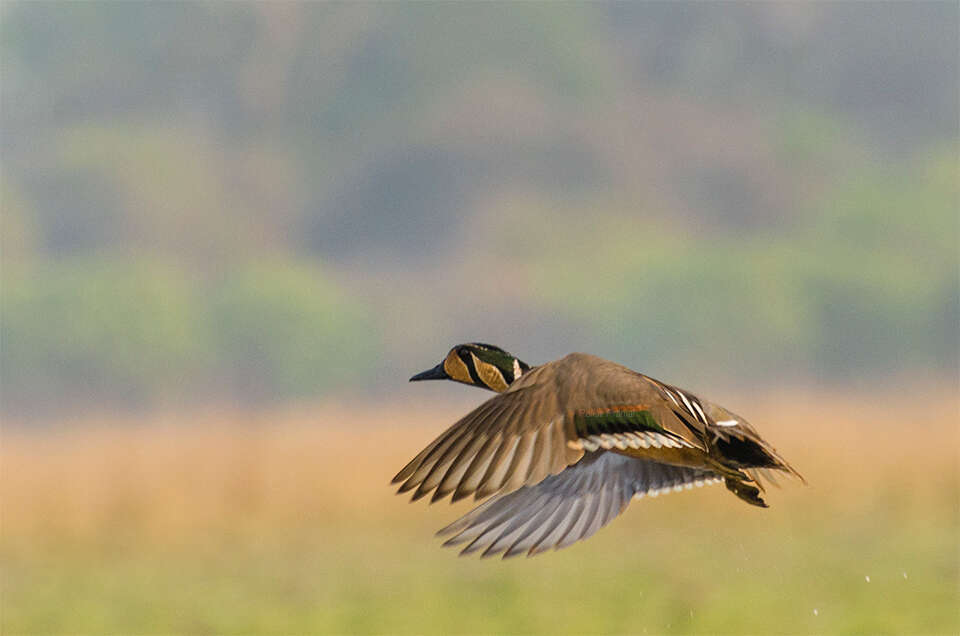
(755, 454)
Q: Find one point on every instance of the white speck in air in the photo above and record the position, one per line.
(904, 575)
(816, 612)
(867, 578)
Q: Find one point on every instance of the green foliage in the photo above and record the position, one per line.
(81, 330)
(17, 226)
(170, 190)
(715, 193)
(867, 281)
(883, 290)
(283, 329)
(145, 331)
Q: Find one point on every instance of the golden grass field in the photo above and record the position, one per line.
(284, 522)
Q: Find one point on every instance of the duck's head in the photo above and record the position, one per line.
(478, 364)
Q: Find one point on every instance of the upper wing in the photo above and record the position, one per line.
(567, 507)
(515, 438)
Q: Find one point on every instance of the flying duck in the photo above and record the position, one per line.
(566, 445)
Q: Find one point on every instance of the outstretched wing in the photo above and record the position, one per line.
(567, 507)
(514, 439)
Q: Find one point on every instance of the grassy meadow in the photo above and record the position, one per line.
(284, 522)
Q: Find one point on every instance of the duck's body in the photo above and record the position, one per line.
(566, 446)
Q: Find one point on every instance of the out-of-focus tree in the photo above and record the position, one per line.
(746, 190)
(107, 328)
(285, 330)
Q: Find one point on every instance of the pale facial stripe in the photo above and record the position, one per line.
(457, 368)
(489, 374)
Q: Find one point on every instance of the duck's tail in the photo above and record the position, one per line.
(751, 452)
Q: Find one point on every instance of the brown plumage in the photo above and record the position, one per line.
(566, 446)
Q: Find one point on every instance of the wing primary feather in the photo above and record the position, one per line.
(477, 468)
(437, 471)
(536, 469)
(585, 519)
(516, 474)
(465, 424)
(505, 538)
(521, 511)
(559, 527)
(429, 461)
(577, 524)
(501, 511)
(523, 542)
(539, 543)
(460, 432)
(598, 515)
(453, 476)
(507, 442)
(482, 540)
(496, 471)
(473, 519)
(412, 465)
(480, 515)
(535, 472)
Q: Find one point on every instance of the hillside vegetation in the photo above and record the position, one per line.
(255, 202)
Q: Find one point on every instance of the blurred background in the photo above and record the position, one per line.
(232, 231)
